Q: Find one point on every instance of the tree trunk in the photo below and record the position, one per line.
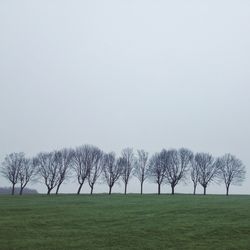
(21, 190)
(172, 187)
(57, 188)
(49, 190)
(194, 190)
(79, 189)
(159, 188)
(205, 190)
(141, 187)
(125, 191)
(13, 189)
(227, 190)
(91, 189)
(110, 188)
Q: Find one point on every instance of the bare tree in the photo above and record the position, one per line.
(157, 168)
(194, 172)
(207, 169)
(112, 170)
(177, 164)
(27, 171)
(11, 167)
(83, 160)
(48, 166)
(64, 161)
(141, 167)
(96, 168)
(127, 164)
(231, 170)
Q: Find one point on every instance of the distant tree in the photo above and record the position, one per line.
(96, 168)
(194, 172)
(177, 165)
(127, 163)
(48, 167)
(141, 167)
(157, 168)
(82, 163)
(83, 159)
(231, 170)
(11, 167)
(64, 162)
(207, 169)
(112, 170)
(26, 172)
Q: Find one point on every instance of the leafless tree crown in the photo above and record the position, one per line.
(158, 168)
(208, 170)
(112, 170)
(11, 168)
(141, 171)
(177, 165)
(63, 159)
(231, 170)
(126, 161)
(27, 171)
(96, 167)
(83, 160)
(48, 166)
(194, 174)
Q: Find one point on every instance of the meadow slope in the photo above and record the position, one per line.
(124, 222)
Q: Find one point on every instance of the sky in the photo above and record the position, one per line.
(115, 74)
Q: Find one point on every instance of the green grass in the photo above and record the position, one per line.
(124, 222)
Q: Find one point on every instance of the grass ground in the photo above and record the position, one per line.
(124, 222)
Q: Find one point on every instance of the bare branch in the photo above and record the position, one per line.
(11, 167)
(48, 167)
(83, 160)
(141, 167)
(96, 168)
(178, 162)
(127, 163)
(112, 170)
(27, 171)
(194, 174)
(157, 168)
(231, 170)
(64, 161)
(207, 169)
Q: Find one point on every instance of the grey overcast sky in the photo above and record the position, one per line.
(144, 74)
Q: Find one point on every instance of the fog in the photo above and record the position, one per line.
(116, 74)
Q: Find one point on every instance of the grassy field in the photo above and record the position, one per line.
(124, 222)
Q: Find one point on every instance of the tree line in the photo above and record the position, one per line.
(88, 163)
